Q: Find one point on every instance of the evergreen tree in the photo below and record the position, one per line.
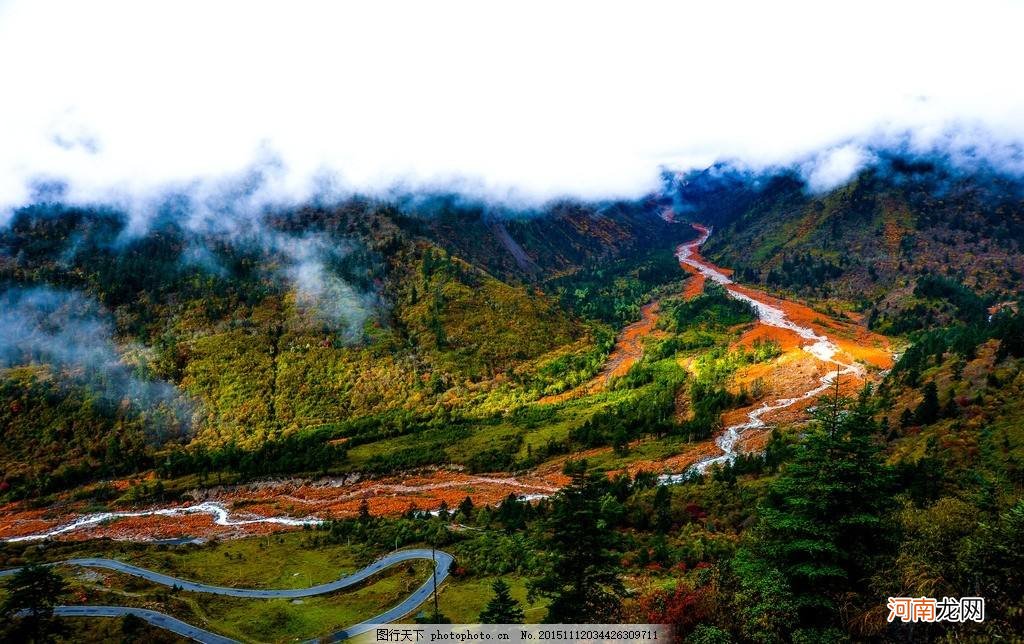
(906, 419)
(502, 608)
(994, 564)
(663, 508)
(928, 411)
(762, 601)
(705, 634)
(582, 573)
(821, 524)
(950, 409)
(466, 508)
(32, 592)
(1010, 331)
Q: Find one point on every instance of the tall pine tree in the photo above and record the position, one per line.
(820, 526)
(928, 411)
(502, 609)
(27, 611)
(582, 572)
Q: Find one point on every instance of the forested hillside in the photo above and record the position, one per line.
(699, 322)
(126, 340)
(907, 243)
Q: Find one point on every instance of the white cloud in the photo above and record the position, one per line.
(526, 100)
(834, 167)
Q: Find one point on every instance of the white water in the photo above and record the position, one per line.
(820, 347)
(221, 516)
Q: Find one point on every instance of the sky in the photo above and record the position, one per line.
(518, 102)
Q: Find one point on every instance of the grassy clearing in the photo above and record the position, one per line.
(461, 600)
(361, 456)
(280, 620)
(565, 417)
(282, 561)
(484, 438)
(648, 450)
(462, 444)
(275, 561)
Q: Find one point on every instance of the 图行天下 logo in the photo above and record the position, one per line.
(929, 609)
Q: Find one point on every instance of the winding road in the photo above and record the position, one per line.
(442, 566)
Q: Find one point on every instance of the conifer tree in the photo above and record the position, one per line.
(502, 608)
(821, 524)
(27, 612)
(662, 509)
(928, 411)
(582, 578)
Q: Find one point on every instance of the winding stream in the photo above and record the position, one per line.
(221, 516)
(819, 346)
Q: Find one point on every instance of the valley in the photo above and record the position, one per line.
(817, 353)
(628, 348)
(342, 383)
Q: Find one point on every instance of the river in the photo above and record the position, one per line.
(221, 516)
(818, 345)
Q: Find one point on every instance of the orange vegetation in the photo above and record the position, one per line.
(629, 347)
(787, 339)
(324, 499)
(678, 463)
(694, 285)
(893, 234)
(855, 341)
(788, 376)
(386, 496)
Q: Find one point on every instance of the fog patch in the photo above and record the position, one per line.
(350, 100)
(320, 289)
(73, 335)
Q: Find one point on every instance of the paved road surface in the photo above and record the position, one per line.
(160, 620)
(407, 606)
(443, 562)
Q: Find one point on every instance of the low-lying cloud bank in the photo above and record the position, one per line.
(126, 103)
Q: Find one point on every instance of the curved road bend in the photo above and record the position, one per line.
(442, 567)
